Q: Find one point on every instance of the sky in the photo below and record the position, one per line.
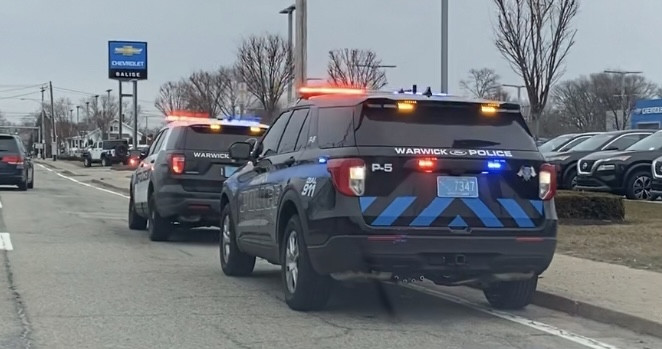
(65, 41)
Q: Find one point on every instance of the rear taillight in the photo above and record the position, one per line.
(13, 159)
(427, 164)
(348, 175)
(547, 181)
(177, 163)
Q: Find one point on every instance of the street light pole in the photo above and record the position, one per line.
(42, 135)
(519, 91)
(301, 45)
(444, 46)
(289, 10)
(622, 73)
(77, 114)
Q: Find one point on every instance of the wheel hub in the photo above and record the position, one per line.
(225, 239)
(292, 262)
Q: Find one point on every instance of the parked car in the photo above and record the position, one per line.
(565, 142)
(566, 162)
(15, 163)
(626, 172)
(656, 181)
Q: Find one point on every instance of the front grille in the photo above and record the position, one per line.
(585, 166)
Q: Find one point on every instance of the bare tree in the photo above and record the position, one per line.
(608, 90)
(103, 112)
(233, 100)
(535, 36)
(356, 68)
(579, 104)
(264, 65)
(3, 120)
(204, 91)
(482, 83)
(172, 96)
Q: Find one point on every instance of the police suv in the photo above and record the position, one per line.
(395, 186)
(179, 180)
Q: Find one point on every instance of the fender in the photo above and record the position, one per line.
(292, 195)
(642, 165)
(573, 166)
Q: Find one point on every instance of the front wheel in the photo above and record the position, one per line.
(638, 186)
(304, 289)
(87, 161)
(105, 162)
(570, 180)
(136, 222)
(511, 295)
(234, 262)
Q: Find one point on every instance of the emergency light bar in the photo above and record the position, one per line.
(312, 91)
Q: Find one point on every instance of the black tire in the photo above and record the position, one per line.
(87, 161)
(105, 162)
(23, 185)
(638, 185)
(31, 183)
(159, 228)
(309, 291)
(234, 262)
(136, 222)
(511, 295)
(570, 179)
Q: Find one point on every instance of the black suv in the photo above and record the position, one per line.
(179, 180)
(626, 172)
(656, 182)
(394, 186)
(565, 142)
(566, 162)
(15, 163)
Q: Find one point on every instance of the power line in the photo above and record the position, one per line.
(21, 95)
(20, 88)
(75, 91)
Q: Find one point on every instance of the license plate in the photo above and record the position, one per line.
(457, 187)
(229, 170)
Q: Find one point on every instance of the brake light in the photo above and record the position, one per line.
(427, 164)
(177, 163)
(547, 181)
(348, 175)
(13, 159)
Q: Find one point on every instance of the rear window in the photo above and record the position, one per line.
(555, 143)
(203, 137)
(443, 125)
(8, 144)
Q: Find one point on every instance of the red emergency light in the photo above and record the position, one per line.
(186, 115)
(312, 91)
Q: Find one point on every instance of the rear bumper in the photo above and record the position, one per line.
(11, 177)
(172, 201)
(456, 255)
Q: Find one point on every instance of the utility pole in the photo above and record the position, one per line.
(300, 60)
(55, 151)
(42, 134)
(120, 132)
(77, 114)
(87, 110)
(444, 46)
(624, 105)
(135, 114)
(107, 110)
(288, 11)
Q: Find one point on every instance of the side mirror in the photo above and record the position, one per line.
(240, 150)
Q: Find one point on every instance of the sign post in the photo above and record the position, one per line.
(127, 61)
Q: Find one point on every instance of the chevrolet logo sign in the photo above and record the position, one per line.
(127, 50)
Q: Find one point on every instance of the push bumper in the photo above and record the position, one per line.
(173, 201)
(465, 255)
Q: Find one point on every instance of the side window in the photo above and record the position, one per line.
(157, 143)
(573, 143)
(292, 131)
(303, 135)
(270, 141)
(643, 135)
(624, 142)
(335, 127)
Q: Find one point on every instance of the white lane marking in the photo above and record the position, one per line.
(88, 185)
(540, 326)
(5, 242)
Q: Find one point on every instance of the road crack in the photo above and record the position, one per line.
(19, 304)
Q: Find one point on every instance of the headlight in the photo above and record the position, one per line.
(558, 158)
(608, 167)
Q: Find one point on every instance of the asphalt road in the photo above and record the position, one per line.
(77, 277)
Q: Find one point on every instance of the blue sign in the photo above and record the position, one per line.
(647, 113)
(127, 60)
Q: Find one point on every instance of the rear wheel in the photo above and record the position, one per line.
(136, 222)
(105, 162)
(234, 262)
(638, 186)
(511, 294)
(304, 288)
(23, 185)
(31, 183)
(159, 228)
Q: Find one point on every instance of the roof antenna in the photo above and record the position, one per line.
(401, 90)
(413, 89)
(428, 92)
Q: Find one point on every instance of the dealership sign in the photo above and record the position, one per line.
(127, 60)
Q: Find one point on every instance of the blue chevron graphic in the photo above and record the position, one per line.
(458, 222)
(366, 201)
(394, 210)
(432, 212)
(516, 211)
(483, 212)
(537, 204)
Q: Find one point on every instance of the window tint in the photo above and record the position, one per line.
(203, 137)
(335, 127)
(442, 125)
(292, 131)
(573, 143)
(554, 143)
(157, 143)
(270, 141)
(652, 142)
(8, 144)
(303, 135)
(623, 142)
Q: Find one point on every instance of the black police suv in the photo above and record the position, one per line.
(566, 162)
(565, 142)
(626, 172)
(16, 166)
(656, 182)
(394, 186)
(179, 180)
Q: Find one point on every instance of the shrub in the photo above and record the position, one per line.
(587, 205)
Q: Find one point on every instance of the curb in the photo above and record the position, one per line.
(124, 191)
(597, 313)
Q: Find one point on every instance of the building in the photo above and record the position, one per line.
(647, 113)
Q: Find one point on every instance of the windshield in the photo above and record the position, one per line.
(652, 142)
(593, 143)
(554, 143)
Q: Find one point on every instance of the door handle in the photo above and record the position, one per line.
(290, 161)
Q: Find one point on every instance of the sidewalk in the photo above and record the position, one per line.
(608, 293)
